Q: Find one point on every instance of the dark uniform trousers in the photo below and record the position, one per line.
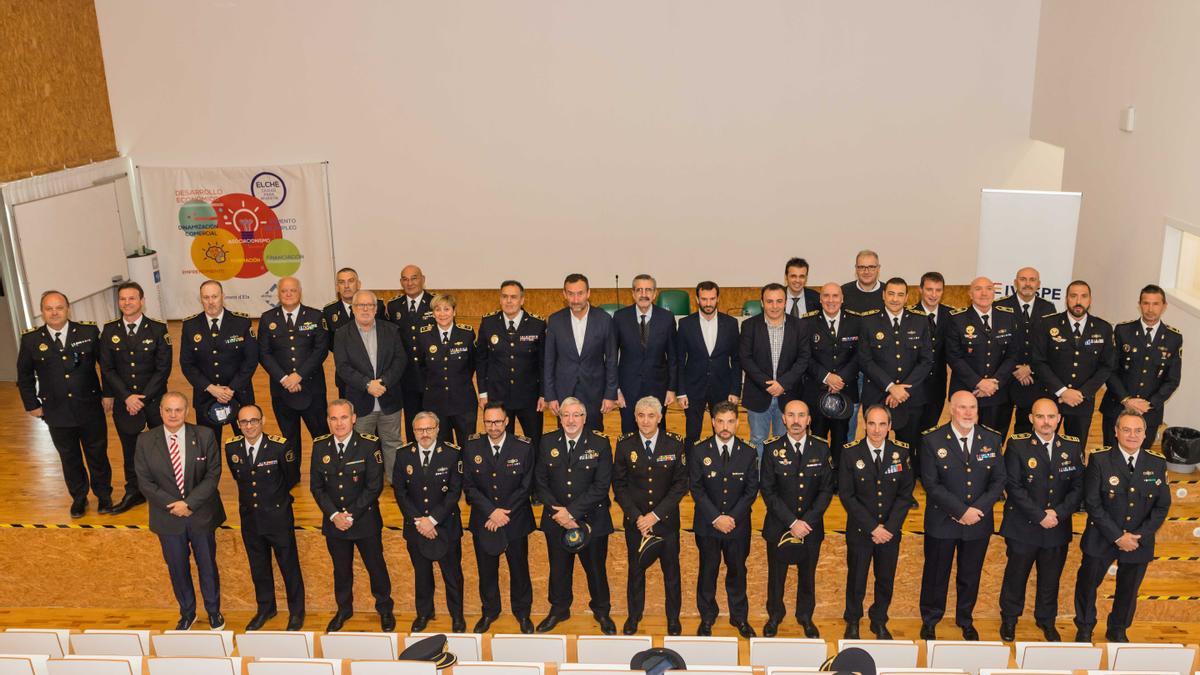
(509, 369)
(432, 490)
(1150, 371)
(832, 354)
(888, 355)
(954, 483)
(1084, 363)
(578, 480)
(70, 408)
(361, 463)
(873, 497)
(733, 551)
(651, 483)
(268, 526)
(227, 357)
(300, 348)
(1108, 482)
(520, 587)
(795, 485)
(450, 566)
(1038, 479)
(722, 487)
(446, 369)
(411, 383)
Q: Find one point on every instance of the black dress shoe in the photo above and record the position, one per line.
(674, 627)
(1083, 635)
(881, 631)
(606, 625)
(338, 620)
(185, 622)
(458, 625)
(261, 618)
(295, 622)
(705, 629)
(771, 629)
(482, 624)
(928, 631)
(525, 624)
(969, 633)
(745, 629)
(550, 622)
(128, 502)
(1050, 632)
(630, 627)
(419, 624)
(1008, 630)
(387, 622)
(851, 631)
(79, 507)
(104, 507)
(810, 629)
(216, 621)
(1117, 635)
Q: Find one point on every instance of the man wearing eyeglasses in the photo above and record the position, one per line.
(340, 312)
(265, 469)
(865, 292)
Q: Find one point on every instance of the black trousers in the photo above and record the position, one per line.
(1108, 426)
(837, 432)
(935, 578)
(635, 581)
(806, 590)
(1078, 426)
(370, 549)
(859, 558)
(594, 559)
(129, 444)
(520, 588)
(289, 420)
(83, 451)
(1091, 572)
(423, 580)
(178, 550)
(694, 421)
(413, 398)
(456, 428)
(259, 547)
(734, 551)
(1021, 559)
(531, 421)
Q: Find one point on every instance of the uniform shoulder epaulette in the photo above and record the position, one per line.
(539, 317)
(448, 444)
(466, 326)
(189, 318)
(674, 435)
(86, 323)
(112, 322)
(599, 433)
(474, 437)
(812, 313)
(332, 303)
(1007, 297)
(369, 437)
(1173, 329)
(523, 439)
(916, 309)
(1018, 437)
(851, 312)
(235, 439)
(771, 440)
(850, 444)
(1002, 308)
(1123, 323)
(1065, 437)
(870, 312)
(492, 313)
(628, 435)
(277, 439)
(957, 311)
(901, 444)
(1156, 453)
(154, 320)
(321, 438)
(930, 429)
(1047, 316)
(244, 316)
(992, 430)
(30, 330)
(426, 328)
(1095, 450)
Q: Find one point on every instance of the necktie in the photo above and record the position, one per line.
(176, 461)
(966, 452)
(341, 449)
(649, 449)
(642, 331)
(512, 327)
(425, 459)
(496, 451)
(895, 323)
(799, 451)
(1050, 451)
(1075, 330)
(832, 327)
(987, 327)
(1025, 310)
(250, 452)
(1131, 469)
(58, 339)
(215, 328)
(291, 323)
(1150, 337)
(796, 306)
(933, 320)
(445, 338)
(879, 460)
(132, 329)
(412, 306)
(570, 450)
(724, 453)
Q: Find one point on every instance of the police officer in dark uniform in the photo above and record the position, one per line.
(723, 474)
(293, 344)
(650, 477)
(218, 357)
(573, 473)
(1044, 472)
(411, 311)
(346, 478)
(1073, 357)
(929, 303)
(427, 479)
(962, 472)
(447, 353)
(340, 312)
(1027, 306)
(498, 478)
(797, 485)
(135, 362)
(508, 355)
(1149, 365)
(895, 356)
(1127, 497)
(266, 468)
(875, 484)
(56, 375)
(835, 333)
(981, 346)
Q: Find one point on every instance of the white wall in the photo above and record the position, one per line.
(690, 139)
(1095, 57)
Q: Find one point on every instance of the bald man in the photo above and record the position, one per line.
(982, 346)
(293, 341)
(412, 310)
(1027, 305)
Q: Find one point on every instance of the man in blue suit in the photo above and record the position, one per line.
(706, 352)
(646, 352)
(581, 354)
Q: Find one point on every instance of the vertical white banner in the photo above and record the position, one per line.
(1024, 228)
(246, 227)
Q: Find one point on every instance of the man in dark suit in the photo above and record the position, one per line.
(428, 483)
(509, 357)
(218, 357)
(346, 479)
(370, 359)
(135, 362)
(834, 334)
(875, 484)
(179, 469)
(447, 351)
(1027, 306)
(646, 363)
(1044, 474)
(293, 342)
(573, 473)
(797, 485)
(266, 468)
(581, 355)
(340, 312)
(1149, 367)
(800, 299)
(982, 347)
(649, 480)
(706, 353)
(70, 406)
(411, 311)
(723, 474)
(929, 303)
(498, 479)
(1073, 357)
(1127, 496)
(895, 355)
(774, 353)
(962, 472)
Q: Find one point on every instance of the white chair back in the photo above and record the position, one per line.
(301, 666)
(361, 646)
(704, 651)
(52, 642)
(1021, 671)
(714, 670)
(887, 653)
(792, 652)
(23, 664)
(392, 667)
(495, 668)
(195, 665)
(1058, 656)
(96, 665)
(464, 646)
(193, 643)
(966, 656)
(532, 648)
(276, 644)
(792, 670)
(596, 669)
(111, 642)
(610, 649)
(1170, 658)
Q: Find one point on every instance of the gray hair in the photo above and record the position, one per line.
(427, 415)
(337, 402)
(648, 403)
(571, 400)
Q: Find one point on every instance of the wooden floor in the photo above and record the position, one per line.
(56, 562)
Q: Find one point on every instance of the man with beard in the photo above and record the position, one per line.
(707, 354)
(581, 354)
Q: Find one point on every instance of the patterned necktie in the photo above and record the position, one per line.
(176, 461)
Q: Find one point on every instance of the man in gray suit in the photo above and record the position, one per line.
(581, 355)
(178, 468)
